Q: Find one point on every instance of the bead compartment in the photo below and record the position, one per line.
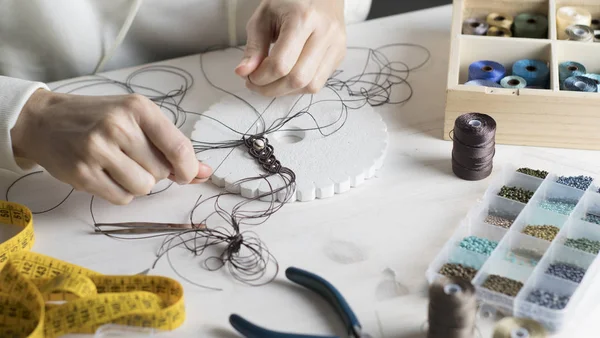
(507, 261)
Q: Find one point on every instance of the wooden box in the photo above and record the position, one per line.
(532, 117)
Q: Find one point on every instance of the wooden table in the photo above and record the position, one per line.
(395, 222)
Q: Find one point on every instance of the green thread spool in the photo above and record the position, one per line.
(513, 82)
(528, 25)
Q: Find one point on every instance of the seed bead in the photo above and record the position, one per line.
(584, 244)
(503, 285)
(566, 271)
(545, 232)
(548, 299)
(498, 221)
(533, 172)
(580, 182)
(458, 270)
(561, 206)
(515, 193)
(522, 256)
(479, 245)
(592, 218)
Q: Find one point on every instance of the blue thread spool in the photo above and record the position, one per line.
(579, 83)
(568, 69)
(483, 83)
(486, 70)
(535, 72)
(513, 82)
(595, 77)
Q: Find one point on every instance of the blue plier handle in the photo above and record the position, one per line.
(318, 285)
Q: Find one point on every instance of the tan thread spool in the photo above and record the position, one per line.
(499, 31)
(569, 16)
(500, 20)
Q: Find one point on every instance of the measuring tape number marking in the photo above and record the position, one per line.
(45, 297)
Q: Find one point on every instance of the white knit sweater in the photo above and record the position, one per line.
(49, 40)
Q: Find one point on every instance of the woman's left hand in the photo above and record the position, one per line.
(309, 44)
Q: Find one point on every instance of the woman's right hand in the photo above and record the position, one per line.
(114, 147)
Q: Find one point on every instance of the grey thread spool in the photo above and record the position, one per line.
(580, 33)
(452, 309)
(473, 26)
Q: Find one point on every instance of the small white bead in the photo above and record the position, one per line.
(259, 144)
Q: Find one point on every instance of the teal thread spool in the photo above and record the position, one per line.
(580, 83)
(595, 77)
(530, 25)
(513, 82)
(568, 69)
(535, 72)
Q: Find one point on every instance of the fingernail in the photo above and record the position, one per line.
(243, 62)
(203, 170)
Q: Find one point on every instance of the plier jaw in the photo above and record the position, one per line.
(324, 289)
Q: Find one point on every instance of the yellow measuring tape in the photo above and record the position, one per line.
(44, 297)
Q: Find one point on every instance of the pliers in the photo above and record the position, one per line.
(321, 287)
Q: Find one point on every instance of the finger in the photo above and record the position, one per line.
(128, 174)
(138, 148)
(303, 72)
(257, 47)
(285, 52)
(330, 63)
(101, 185)
(174, 146)
(203, 175)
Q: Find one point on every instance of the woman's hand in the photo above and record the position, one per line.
(309, 44)
(115, 147)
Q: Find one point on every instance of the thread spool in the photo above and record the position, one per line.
(535, 72)
(452, 309)
(500, 20)
(483, 83)
(530, 25)
(499, 31)
(511, 327)
(474, 26)
(579, 83)
(513, 82)
(580, 33)
(568, 69)
(595, 77)
(473, 146)
(597, 35)
(567, 16)
(595, 25)
(486, 70)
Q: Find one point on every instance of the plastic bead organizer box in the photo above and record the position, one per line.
(548, 117)
(527, 264)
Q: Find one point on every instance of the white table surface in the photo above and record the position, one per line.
(398, 220)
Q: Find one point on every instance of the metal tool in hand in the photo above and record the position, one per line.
(324, 289)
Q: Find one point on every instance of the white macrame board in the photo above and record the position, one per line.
(326, 163)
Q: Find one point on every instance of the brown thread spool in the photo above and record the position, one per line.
(473, 146)
(452, 309)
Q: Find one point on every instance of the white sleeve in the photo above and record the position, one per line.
(14, 93)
